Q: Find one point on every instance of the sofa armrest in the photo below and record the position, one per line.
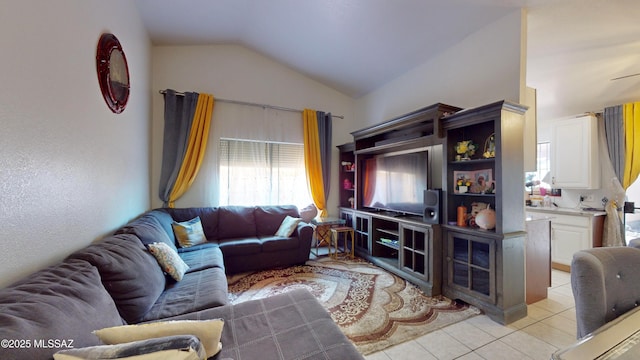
(605, 285)
(305, 234)
(587, 282)
(635, 243)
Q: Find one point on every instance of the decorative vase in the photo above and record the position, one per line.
(462, 216)
(486, 219)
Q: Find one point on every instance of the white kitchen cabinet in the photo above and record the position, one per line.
(574, 153)
(566, 239)
(571, 231)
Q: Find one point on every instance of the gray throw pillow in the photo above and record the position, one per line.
(178, 347)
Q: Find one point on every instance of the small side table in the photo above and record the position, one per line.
(335, 232)
(322, 230)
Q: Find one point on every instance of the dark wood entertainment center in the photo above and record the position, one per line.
(482, 267)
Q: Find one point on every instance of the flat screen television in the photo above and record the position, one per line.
(396, 182)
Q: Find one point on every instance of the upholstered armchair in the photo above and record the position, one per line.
(605, 283)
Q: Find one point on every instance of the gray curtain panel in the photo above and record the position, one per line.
(614, 130)
(178, 117)
(324, 132)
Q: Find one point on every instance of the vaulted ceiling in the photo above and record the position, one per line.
(575, 47)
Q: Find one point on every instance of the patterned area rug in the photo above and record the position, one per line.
(373, 307)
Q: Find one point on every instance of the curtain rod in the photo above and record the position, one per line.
(254, 104)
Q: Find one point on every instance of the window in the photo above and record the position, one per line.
(543, 167)
(262, 173)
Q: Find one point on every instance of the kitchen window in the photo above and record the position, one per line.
(543, 172)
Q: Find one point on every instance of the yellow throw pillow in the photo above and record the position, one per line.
(208, 331)
(169, 260)
(189, 233)
(288, 225)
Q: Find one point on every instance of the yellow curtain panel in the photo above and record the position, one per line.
(312, 162)
(195, 148)
(631, 120)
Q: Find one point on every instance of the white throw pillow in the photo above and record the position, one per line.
(208, 331)
(169, 260)
(288, 225)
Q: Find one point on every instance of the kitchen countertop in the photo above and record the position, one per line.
(548, 211)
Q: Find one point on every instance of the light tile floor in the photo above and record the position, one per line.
(549, 326)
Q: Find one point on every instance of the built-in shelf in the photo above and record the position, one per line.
(481, 267)
(473, 161)
(395, 246)
(473, 194)
(486, 267)
(397, 146)
(347, 194)
(390, 232)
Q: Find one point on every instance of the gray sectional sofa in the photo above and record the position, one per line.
(118, 281)
(246, 237)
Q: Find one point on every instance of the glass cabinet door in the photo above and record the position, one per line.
(471, 264)
(362, 229)
(416, 247)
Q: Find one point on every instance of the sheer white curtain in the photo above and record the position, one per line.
(245, 167)
(235, 121)
(262, 173)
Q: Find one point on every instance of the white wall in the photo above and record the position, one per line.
(237, 73)
(70, 170)
(483, 68)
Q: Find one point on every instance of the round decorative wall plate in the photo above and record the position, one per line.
(113, 72)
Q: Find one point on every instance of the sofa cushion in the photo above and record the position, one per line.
(237, 222)
(129, 273)
(269, 218)
(196, 291)
(239, 247)
(169, 260)
(293, 325)
(206, 257)
(149, 230)
(198, 247)
(279, 243)
(189, 233)
(165, 219)
(66, 302)
(177, 347)
(208, 217)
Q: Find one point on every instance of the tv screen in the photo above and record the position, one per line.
(396, 182)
